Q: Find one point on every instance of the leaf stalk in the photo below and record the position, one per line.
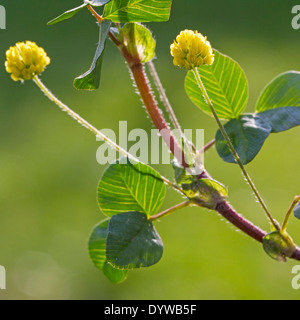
(170, 210)
(232, 149)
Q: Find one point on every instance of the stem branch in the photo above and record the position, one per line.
(91, 128)
(232, 149)
(155, 114)
(208, 146)
(95, 13)
(170, 210)
(288, 214)
(79, 119)
(164, 97)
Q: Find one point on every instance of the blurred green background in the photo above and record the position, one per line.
(49, 172)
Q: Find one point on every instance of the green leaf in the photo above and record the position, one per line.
(130, 187)
(247, 134)
(283, 91)
(97, 251)
(138, 10)
(70, 13)
(297, 211)
(282, 119)
(67, 15)
(90, 80)
(226, 85)
(132, 241)
(138, 41)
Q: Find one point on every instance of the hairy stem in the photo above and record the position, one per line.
(170, 210)
(247, 227)
(232, 149)
(288, 214)
(79, 119)
(142, 84)
(95, 13)
(240, 222)
(91, 128)
(208, 146)
(164, 97)
(155, 114)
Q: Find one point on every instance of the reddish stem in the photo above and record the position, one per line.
(154, 112)
(240, 222)
(208, 146)
(141, 81)
(95, 13)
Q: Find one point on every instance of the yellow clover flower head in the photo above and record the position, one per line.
(25, 60)
(191, 49)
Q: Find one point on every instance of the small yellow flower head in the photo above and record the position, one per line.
(25, 60)
(191, 49)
